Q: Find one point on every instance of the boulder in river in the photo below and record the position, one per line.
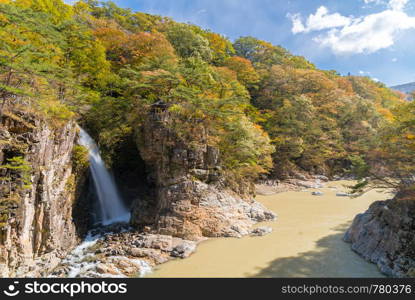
(184, 249)
(261, 231)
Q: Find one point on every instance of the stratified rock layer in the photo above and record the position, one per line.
(385, 235)
(38, 227)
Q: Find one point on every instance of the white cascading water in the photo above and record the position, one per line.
(111, 208)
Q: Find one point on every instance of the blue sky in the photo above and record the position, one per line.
(364, 37)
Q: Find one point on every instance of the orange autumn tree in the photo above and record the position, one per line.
(221, 47)
(124, 48)
(244, 70)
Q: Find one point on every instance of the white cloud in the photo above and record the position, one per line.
(319, 21)
(394, 59)
(297, 24)
(398, 4)
(366, 34)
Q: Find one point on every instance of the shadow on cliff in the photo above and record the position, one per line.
(331, 258)
(82, 209)
(130, 172)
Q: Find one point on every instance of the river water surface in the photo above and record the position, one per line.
(306, 241)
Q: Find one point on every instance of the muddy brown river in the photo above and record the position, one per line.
(306, 241)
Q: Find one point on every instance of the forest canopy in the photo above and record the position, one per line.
(267, 111)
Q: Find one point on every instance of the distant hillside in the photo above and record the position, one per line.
(405, 88)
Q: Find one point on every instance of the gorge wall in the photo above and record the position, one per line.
(38, 215)
(192, 199)
(385, 235)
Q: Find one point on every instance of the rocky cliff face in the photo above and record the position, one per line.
(191, 198)
(38, 195)
(385, 235)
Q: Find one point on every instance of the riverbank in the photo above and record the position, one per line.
(384, 235)
(306, 241)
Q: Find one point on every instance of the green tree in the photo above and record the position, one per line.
(188, 43)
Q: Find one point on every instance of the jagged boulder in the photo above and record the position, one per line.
(385, 235)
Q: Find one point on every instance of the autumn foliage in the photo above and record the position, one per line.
(266, 110)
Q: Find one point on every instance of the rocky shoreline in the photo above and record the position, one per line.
(385, 236)
(120, 251)
(297, 183)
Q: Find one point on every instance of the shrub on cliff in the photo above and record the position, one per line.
(80, 158)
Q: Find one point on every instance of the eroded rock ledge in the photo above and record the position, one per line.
(385, 235)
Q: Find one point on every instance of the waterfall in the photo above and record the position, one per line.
(111, 207)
